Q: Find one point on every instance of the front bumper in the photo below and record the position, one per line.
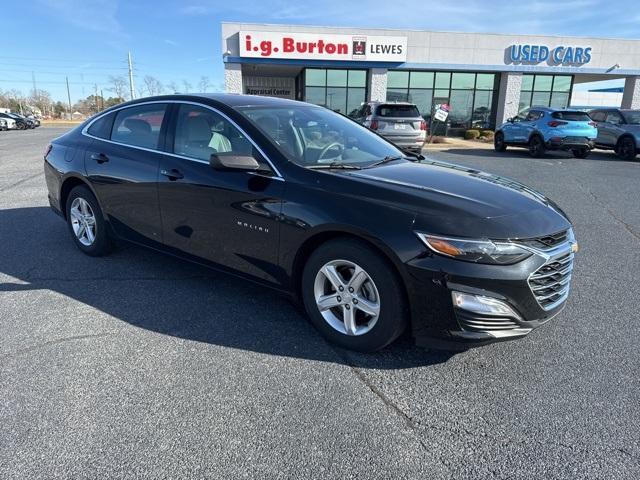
(520, 297)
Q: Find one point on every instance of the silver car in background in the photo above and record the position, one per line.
(618, 130)
(398, 122)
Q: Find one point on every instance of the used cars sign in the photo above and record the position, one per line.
(317, 46)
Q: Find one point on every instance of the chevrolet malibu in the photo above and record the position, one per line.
(371, 240)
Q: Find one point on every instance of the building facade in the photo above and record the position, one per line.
(485, 78)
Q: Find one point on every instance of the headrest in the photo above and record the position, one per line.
(198, 129)
(136, 125)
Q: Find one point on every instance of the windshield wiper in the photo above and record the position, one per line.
(334, 165)
(386, 159)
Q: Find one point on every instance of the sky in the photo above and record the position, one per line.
(88, 40)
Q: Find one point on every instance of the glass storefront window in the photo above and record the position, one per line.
(463, 80)
(316, 77)
(397, 79)
(470, 95)
(336, 78)
(562, 83)
(543, 83)
(545, 91)
(485, 81)
(339, 90)
(527, 82)
(357, 78)
(443, 80)
(421, 80)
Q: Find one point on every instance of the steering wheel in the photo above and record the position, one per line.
(329, 147)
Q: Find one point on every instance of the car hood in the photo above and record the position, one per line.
(633, 129)
(455, 200)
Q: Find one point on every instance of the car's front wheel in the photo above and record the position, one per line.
(498, 142)
(580, 152)
(536, 146)
(86, 223)
(353, 296)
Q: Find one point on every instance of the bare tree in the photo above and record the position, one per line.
(172, 86)
(187, 86)
(204, 84)
(153, 85)
(118, 86)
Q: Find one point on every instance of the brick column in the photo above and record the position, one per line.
(377, 84)
(233, 78)
(631, 94)
(508, 96)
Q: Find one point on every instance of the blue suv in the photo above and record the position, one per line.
(543, 128)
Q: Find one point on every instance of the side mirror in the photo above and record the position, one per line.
(233, 161)
(510, 120)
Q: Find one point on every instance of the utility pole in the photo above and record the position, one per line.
(95, 97)
(69, 98)
(35, 88)
(102, 99)
(132, 90)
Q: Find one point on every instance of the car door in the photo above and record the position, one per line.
(612, 128)
(513, 130)
(122, 165)
(228, 217)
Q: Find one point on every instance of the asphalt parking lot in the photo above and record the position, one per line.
(138, 365)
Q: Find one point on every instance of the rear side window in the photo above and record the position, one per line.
(139, 126)
(614, 118)
(403, 111)
(572, 116)
(101, 128)
(597, 116)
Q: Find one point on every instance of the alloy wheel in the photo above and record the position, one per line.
(347, 297)
(83, 221)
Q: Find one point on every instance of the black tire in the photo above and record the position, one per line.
(581, 152)
(498, 142)
(101, 244)
(536, 146)
(626, 148)
(392, 318)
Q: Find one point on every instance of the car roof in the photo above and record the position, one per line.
(229, 99)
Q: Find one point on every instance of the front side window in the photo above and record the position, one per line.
(313, 136)
(201, 132)
(139, 126)
(632, 117)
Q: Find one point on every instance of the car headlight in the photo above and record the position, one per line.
(478, 251)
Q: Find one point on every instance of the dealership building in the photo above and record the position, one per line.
(485, 78)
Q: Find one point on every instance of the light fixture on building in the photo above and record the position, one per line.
(611, 69)
(226, 54)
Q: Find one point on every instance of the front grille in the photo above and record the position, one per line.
(548, 241)
(550, 283)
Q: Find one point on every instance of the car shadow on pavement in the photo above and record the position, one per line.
(159, 293)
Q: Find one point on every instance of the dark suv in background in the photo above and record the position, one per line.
(398, 122)
(618, 130)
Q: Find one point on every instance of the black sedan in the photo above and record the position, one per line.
(371, 240)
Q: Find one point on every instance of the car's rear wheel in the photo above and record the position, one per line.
(353, 296)
(86, 223)
(498, 142)
(581, 152)
(626, 148)
(536, 147)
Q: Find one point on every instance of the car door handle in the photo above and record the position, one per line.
(172, 174)
(99, 157)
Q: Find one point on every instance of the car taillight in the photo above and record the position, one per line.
(423, 125)
(556, 123)
(47, 151)
(374, 125)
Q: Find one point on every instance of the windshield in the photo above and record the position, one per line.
(402, 111)
(314, 136)
(632, 117)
